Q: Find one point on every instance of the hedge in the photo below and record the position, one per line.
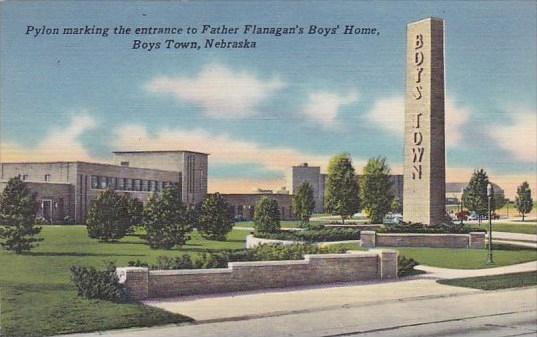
(446, 228)
(321, 235)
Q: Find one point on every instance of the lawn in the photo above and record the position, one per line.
(37, 284)
(469, 258)
(524, 228)
(515, 280)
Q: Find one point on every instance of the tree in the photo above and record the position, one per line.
(523, 200)
(135, 213)
(215, 219)
(375, 189)
(267, 216)
(475, 194)
(341, 191)
(166, 219)
(18, 209)
(304, 203)
(108, 217)
(396, 206)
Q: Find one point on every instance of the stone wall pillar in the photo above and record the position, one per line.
(477, 240)
(387, 263)
(135, 280)
(368, 239)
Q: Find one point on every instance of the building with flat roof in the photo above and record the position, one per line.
(312, 175)
(66, 189)
(242, 205)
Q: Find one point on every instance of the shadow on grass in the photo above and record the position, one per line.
(74, 254)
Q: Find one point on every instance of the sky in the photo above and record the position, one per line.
(259, 111)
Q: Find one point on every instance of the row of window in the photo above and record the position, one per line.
(128, 184)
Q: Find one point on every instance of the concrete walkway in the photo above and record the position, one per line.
(445, 273)
(531, 238)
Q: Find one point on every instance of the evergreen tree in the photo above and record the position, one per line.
(215, 219)
(304, 203)
(475, 194)
(375, 189)
(341, 189)
(18, 209)
(108, 217)
(523, 200)
(166, 219)
(135, 213)
(267, 216)
(396, 206)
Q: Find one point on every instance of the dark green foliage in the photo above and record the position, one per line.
(304, 203)
(475, 194)
(18, 209)
(396, 206)
(495, 282)
(135, 213)
(215, 219)
(416, 227)
(166, 220)
(375, 189)
(405, 266)
(523, 200)
(320, 235)
(341, 189)
(98, 284)
(108, 217)
(222, 258)
(267, 215)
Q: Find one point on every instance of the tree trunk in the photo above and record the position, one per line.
(342, 219)
(522, 216)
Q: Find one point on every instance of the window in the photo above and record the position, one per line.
(94, 182)
(157, 186)
(121, 183)
(112, 183)
(24, 177)
(47, 177)
(151, 185)
(103, 182)
(128, 184)
(124, 163)
(145, 185)
(137, 185)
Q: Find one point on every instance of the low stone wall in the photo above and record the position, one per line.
(142, 283)
(252, 242)
(371, 239)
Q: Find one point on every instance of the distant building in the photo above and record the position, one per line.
(454, 194)
(66, 189)
(312, 175)
(243, 204)
(397, 186)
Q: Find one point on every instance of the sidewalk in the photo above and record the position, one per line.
(444, 273)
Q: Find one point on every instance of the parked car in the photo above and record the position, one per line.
(393, 219)
(473, 216)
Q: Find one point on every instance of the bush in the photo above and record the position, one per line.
(108, 218)
(221, 259)
(405, 266)
(215, 219)
(98, 284)
(267, 215)
(409, 227)
(321, 235)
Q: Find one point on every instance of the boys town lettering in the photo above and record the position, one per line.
(417, 143)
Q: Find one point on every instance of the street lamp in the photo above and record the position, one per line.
(462, 207)
(489, 195)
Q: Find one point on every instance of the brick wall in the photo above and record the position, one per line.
(371, 239)
(239, 276)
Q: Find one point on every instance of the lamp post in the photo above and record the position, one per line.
(489, 195)
(462, 207)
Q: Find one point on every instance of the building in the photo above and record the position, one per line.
(66, 189)
(397, 185)
(454, 195)
(243, 204)
(312, 175)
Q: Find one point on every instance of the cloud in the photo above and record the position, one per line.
(241, 185)
(519, 136)
(221, 92)
(388, 113)
(322, 107)
(58, 144)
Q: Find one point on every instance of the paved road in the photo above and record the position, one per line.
(475, 313)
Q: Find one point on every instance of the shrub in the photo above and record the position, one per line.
(98, 284)
(267, 215)
(410, 227)
(221, 259)
(108, 217)
(405, 266)
(215, 219)
(18, 223)
(166, 220)
(321, 235)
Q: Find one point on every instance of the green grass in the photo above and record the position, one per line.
(515, 280)
(37, 297)
(529, 228)
(469, 258)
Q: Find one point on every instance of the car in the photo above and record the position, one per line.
(393, 219)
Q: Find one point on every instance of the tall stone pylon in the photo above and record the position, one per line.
(424, 149)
